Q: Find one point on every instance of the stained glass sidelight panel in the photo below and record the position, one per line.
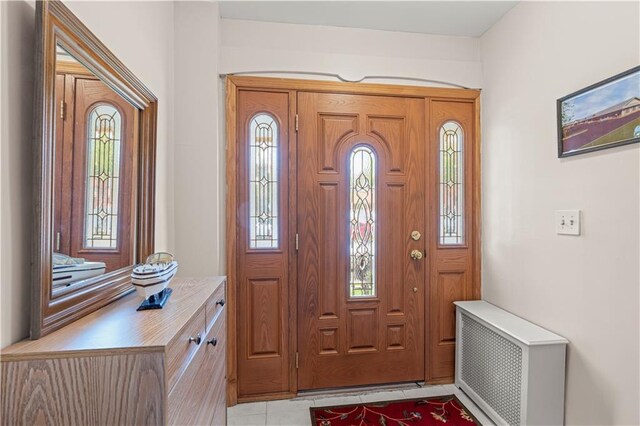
(362, 241)
(451, 184)
(103, 177)
(263, 182)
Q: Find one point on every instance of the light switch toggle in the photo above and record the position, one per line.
(568, 222)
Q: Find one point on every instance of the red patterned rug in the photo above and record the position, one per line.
(407, 412)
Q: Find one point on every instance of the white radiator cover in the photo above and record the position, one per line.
(512, 369)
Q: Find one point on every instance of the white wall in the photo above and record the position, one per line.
(350, 52)
(584, 288)
(16, 166)
(141, 35)
(199, 152)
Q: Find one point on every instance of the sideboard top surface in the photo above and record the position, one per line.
(119, 326)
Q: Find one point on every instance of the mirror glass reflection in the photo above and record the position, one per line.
(93, 193)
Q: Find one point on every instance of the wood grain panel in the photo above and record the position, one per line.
(84, 390)
(391, 131)
(135, 397)
(451, 287)
(328, 341)
(214, 305)
(263, 303)
(363, 330)
(195, 399)
(181, 350)
(231, 231)
(396, 265)
(330, 250)
(395, 337)
(332, 130)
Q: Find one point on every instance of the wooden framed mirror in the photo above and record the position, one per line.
(95, 145)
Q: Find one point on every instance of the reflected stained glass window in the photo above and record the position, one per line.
(263, 182)
(103, 177)
(451, 184)
(362, 239)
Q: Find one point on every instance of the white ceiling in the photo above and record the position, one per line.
(456, 18)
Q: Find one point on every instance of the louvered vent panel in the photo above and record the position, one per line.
(492, 367)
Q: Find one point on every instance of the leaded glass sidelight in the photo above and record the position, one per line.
(263, 182)
(104, 135)
(362, 235)
(451, 184)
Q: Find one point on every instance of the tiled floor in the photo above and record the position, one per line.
(295, 412)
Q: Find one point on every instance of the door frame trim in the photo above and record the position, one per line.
(235, 83)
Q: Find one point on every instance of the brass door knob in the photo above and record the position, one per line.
(416, 254)
(415, 235)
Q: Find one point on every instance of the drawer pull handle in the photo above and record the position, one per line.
(212, 342)
(220, 302)
(197, 340)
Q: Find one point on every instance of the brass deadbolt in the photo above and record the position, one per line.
(416, 254)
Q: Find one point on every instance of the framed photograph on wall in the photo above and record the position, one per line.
(603, 115)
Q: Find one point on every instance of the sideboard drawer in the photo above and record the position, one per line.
(214, 304)
(182, 349)
(218, 379)
(199, 397)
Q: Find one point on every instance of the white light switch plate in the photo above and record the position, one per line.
(568, 222)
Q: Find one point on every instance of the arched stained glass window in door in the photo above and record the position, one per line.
(451, 184)
(263, 182)
(102, 195)
(362, 217)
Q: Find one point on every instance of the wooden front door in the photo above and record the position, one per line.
(263, 242)
(95, 167)
(332, 188)
(361, 216)
(103, 120)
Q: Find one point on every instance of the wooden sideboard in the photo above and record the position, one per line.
(122, 366)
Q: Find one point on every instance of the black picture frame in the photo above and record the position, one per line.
(597, 129)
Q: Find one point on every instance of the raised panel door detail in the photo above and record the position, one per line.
(329, 250)
(395, 337)
(450, 289)
(363, 330)
(264, 311)
(396, 264)
(391, 130)
(328, 341)
(333, 129)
